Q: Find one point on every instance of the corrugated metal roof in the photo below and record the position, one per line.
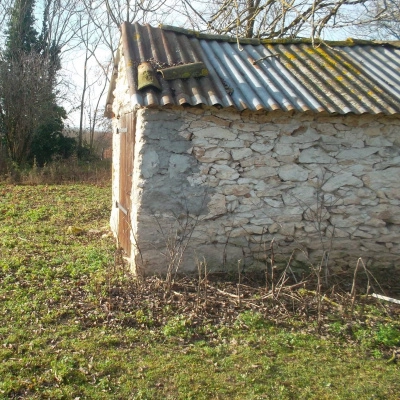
(336, 77)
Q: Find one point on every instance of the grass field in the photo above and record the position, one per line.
(74, 325)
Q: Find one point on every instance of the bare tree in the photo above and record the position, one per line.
(26, 99)
(95, 111)
(5, 7)
(387, 26)
(277, 18)
(97, 37)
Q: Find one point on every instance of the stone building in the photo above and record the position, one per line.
(223, 146)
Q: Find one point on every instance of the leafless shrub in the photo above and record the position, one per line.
(176, 238)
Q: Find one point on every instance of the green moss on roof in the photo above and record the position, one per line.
(257, 41)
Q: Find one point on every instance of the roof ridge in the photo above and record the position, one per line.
(257, 41)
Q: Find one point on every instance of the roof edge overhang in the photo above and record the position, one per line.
(124, 50)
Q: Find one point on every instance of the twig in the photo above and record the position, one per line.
(235, 296)
(386, 298)
(264, 58)
(353, 288)
(238, 285)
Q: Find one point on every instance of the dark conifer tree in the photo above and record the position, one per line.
(30, 119)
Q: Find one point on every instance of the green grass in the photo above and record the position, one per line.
(66, 332)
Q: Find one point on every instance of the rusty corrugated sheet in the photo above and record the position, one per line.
(344, 78)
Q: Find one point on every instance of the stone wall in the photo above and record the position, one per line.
(226, 183)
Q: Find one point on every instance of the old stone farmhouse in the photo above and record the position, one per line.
(222, 146)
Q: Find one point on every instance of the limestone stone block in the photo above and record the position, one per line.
(366, 193)
(315, 155)
(307, 135)
(378, 180)
(262, 148)
(202, 142)
(379, 141)
(259, 172)
(237, 232)
(222, 162)
(392, 162)
(305, 195)
(178, 164)
(236, 190)
(336, 232)
(395, 250)
(357, 154)
(293, 173)
(388, 152)
(254, 229)
(358, 144)
(287, 159)
(326, 129)
(338, 181)
(250, 200)
(273, 202)
(248, 137)
(289, 129)
(212, 181)
(246, 126)
(199, 151)
(213, 155)
(289, 217)
(262, 185)
(215, 132)
(231, 198)
(264, 221)
(342, 127)
(194, 180)
(387, 213)
(205, 169)
(287, 229)
(259, 161)
(344, 221)
(393, 195)
(285, 149)
(244, 208)
(268, 134)
(370, 230)
(274, 228)
(351, 199)
(249, 215)
(239, 154)
(372, 131)
(232, 205)
(225, 172)
(185, 134)
(216, 205)
(232, 144)
(369, 202)
(352, 209)
(224, 182)
(247, 181)
(150, 163)
(362, 234)
(330, 148)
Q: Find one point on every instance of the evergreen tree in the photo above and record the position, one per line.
(30, 119)
(21, 33)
